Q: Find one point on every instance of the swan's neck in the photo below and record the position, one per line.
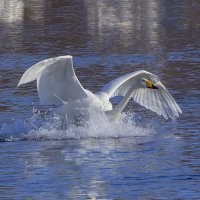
(119, 108)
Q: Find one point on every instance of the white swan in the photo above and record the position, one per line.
(56, 82)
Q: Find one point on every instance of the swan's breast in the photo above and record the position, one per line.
(103, 102)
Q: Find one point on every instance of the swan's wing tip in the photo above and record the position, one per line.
(159, 101)
(22, 81)
(173, 117)
(179, 110)
(65, 57)
(32, 71)
(174, 113)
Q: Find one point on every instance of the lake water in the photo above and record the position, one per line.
(140, 157)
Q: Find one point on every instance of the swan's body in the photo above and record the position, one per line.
(57, 82)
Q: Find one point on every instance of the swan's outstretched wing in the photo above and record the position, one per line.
(158, 100)
(55, 78)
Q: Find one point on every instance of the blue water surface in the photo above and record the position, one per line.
(141, 156)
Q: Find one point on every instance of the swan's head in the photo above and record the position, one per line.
(147, 83)
(146, 79)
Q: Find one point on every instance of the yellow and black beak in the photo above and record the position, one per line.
(150, 85)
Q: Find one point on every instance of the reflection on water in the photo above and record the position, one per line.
(107, 39)
(16, 11)
(34, 10)
(128, 20)
(11, 11)
(105, 169)
(131, 26)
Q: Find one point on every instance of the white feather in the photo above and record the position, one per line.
(158, 100)
(55, 76)
(57, 82)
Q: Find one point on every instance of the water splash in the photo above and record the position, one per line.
(41, 127)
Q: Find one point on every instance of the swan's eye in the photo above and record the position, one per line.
(150, 85)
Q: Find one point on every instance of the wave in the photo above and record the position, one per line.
(42, 127)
